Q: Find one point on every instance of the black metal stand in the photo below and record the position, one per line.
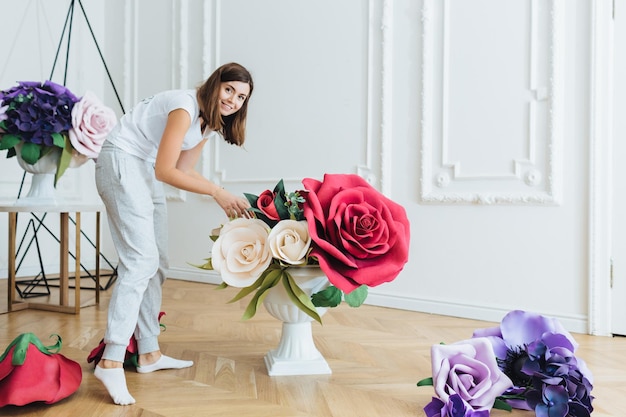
(36, 223)
(41, 279)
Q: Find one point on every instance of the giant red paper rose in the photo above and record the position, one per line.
(30, 372)
(360, 236)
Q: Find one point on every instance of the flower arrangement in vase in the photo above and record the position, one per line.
(306, 251)
(49, 129)
(357, 237)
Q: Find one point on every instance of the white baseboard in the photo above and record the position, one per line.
(195, 275)
(573, 323)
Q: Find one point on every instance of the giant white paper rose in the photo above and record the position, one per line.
(241, 252)
(290, 241)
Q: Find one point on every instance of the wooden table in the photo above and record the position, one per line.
(64, 211)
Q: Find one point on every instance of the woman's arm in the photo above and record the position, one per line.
(176, 167)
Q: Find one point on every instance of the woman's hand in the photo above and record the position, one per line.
(232, 205)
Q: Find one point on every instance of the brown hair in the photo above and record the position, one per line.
(232, 127)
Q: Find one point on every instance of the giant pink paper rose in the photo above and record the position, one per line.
(91, 123)
(360, 237)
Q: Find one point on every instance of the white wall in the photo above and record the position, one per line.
(396, 91)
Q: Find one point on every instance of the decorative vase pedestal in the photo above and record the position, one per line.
(296, 353)
(41, 192)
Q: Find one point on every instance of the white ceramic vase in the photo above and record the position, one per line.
(296, 353)
(42, 191)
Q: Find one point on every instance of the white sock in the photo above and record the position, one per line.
(164, 362)
(115, 382)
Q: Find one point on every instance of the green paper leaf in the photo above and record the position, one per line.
(328, 297)
(356, 297)
(500, 404)
(425, 382)
(249, 289)
(208, 265)
(252, 199)
(31, 152)
(299, 297)
(8, 141)
(60, 140)
(21, 344)
(280, 201)
(222, 286)
(271, 279)
(64, 159)
(132, 361)
(279, 188)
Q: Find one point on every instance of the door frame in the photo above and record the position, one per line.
(600, 171)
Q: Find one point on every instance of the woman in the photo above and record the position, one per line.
(159, 141)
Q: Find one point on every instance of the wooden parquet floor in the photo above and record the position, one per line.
(376, 354)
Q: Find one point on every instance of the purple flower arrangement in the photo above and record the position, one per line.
(38, 113)
(42, 117)
(535, 369)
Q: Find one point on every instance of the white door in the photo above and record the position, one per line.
(619, 174)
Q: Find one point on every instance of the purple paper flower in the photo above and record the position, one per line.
(519, 328)
(454, 407)
(36, 111)
(551, 362)
(468, 369)
(551, 402)
(537, 353)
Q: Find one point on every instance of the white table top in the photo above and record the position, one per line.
(60, 207)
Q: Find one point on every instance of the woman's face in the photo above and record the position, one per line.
(232, 96)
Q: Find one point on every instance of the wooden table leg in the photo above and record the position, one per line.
(77, 271)
(97, 258)
(11, 255)
(64, 293)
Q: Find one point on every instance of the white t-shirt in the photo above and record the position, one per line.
(139, 131)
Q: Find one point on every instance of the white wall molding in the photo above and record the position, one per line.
(386, 128)
(180, 44)
(180, 68)
(529, 180)
(379, 73)
(600, 162)
(210, 36)
(131, 45)
(210, 60)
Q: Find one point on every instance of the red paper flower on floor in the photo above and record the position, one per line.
(30, 372)
(131, 350)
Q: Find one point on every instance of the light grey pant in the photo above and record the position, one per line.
(137, 214)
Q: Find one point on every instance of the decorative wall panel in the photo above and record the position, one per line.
(467, 155)
(283, 142)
